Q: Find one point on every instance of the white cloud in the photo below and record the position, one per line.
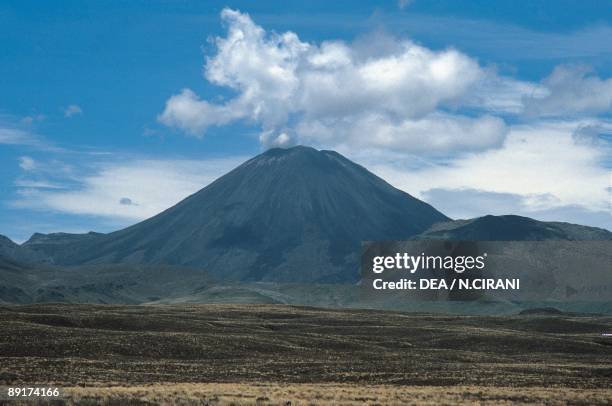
(36, 184)
(499, 41)
(27, 163)
(297, 91)
(72, 110)
(571, 90)
(15, 132)
(32, 119)
(273, 139)
(129, 191)
(402, 4)
(300, 92)
(434, 133)
(501, 95)
(192, 115)
(543, 163)
(14, 136)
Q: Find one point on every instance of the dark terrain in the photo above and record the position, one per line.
(94, 345)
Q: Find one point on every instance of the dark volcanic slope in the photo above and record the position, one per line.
(293, 214)
(513, 228)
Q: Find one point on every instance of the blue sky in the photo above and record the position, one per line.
(112, 111)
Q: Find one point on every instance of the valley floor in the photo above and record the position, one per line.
(263, 354)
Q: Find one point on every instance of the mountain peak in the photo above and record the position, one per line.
(300, 164)
(297, 149)
(296, 154)
(286, 215)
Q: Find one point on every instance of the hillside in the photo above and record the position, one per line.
(512, 228)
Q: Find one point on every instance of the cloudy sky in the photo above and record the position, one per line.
(110, 113)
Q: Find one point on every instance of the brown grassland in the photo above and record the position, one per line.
(273, 354)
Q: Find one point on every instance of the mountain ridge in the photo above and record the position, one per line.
(511, 228)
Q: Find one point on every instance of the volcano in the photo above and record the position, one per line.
(287, 215)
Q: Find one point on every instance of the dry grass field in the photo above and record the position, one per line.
(336, 394)
(272, 354)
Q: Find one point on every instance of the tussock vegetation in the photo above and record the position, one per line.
(323, 394)
(223, 353)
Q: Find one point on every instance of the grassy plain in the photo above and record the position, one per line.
(272, 354)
